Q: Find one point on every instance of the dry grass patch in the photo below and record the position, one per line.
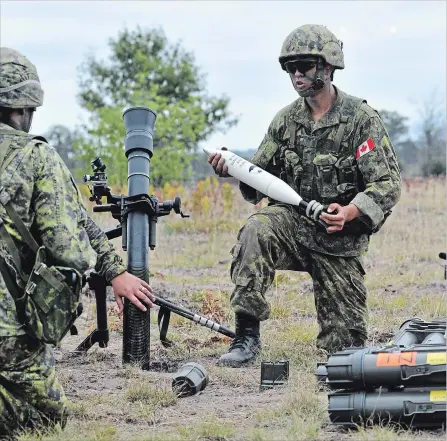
(211, 429)
(81, 431)
(160, 396)
(301, 411)
(293, 341)
(203, 225)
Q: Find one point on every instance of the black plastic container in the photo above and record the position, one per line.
(190, 379)
(274, 373)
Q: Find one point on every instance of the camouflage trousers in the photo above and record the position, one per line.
(30, 394)
(268, 242)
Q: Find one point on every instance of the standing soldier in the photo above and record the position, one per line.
(38, 196)
(331, 147)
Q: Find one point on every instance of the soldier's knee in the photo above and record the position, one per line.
(257, 228)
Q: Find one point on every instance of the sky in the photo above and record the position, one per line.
(395, 52)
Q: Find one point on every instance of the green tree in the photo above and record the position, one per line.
(431, 139)
(433, 168)
(396, 124)
(425, 154)
(145, 69)
(63, 139)
(397, 127)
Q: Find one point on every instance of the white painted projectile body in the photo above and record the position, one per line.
(258, 178)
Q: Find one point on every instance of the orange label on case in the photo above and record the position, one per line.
(396, 358)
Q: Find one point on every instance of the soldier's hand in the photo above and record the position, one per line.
(340, 217)
(218, 164)
(134, 289)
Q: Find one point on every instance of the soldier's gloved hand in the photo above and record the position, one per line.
(218, 164)
(342, 215)
(134, 289)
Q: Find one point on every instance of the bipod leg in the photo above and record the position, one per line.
(443, 256)
(100, 335)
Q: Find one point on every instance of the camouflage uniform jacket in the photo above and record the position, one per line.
(345, 157)
(46, 198)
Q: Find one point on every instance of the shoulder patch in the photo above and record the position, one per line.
(364, 148)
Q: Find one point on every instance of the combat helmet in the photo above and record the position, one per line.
(19, 83)
(313, 40)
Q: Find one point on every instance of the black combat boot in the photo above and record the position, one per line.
(245, 346)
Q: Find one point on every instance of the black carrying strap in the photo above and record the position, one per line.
(26, 235)
(9, 280)
(8, 240)
(4, 149)
(21, 227)
(340, 132)
(5, 199)
(164, 315)
(11, 284)
(13, 250)
(292, 130)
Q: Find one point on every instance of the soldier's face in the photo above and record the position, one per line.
(303, 83)
(302, 74)
(21, 119)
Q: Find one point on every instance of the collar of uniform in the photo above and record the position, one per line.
(303, 115)
(4, 126)
(8, 130)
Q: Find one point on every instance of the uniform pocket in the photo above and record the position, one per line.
(236, 250)
(293, 166)
(346, 193)
(326, 173)
(265, 152)
(336, 243)
(51, 300)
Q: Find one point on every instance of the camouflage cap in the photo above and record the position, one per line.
(313, 40)
(19, 82)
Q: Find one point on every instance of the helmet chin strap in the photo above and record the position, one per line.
(29, 121)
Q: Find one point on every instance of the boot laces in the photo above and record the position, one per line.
(240, 343)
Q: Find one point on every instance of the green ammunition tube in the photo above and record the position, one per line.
(412, 407)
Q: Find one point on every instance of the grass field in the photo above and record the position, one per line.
(109, 401)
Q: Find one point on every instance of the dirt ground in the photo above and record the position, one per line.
(232, 396)
(230, 407)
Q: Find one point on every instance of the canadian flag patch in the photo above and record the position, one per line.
(364, 148)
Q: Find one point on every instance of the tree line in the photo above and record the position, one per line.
(145, 69)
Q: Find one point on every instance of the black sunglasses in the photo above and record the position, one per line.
(300, 66)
